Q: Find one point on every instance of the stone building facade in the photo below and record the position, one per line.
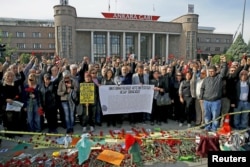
(73, 37)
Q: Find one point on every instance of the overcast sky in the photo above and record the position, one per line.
(224, 15)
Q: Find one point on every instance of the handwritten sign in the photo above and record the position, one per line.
(87, 93)
(126, 98)
(112, 157)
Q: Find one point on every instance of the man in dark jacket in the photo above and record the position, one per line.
(211, 93)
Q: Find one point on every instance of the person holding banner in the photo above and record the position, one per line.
(108, 79)
(124, 79)
(139, 78)
(89, 110)
(158, 89)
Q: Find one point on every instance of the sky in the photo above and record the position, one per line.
(224, 15)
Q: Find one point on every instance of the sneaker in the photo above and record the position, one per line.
(84, 129)
(189, 125)
(92, 129)
(180, 124)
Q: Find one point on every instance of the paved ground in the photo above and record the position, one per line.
(6, 147)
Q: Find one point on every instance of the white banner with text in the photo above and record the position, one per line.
(126, 98)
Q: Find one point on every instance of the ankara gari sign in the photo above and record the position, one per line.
(124, 16)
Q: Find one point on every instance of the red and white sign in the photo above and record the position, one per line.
(123, 16)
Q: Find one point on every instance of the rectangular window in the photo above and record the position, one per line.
(115, 43)
(36, 35)
(207, 49)
(198, 39)
(64, 35)
(21, 45)
(20, 34)
(208, 39)
(52, 46)
(51, 35)
(99, 46)
(191, 42)
(5, 34)
(227, 40)
(217, 40)
(217, 48)
(37, 46)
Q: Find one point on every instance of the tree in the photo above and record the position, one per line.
(216, 58)
(24, 58)
(237, 48)
(9, 50)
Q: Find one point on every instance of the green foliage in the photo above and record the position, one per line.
(237, 48)
(24, 58)
(216, 58)
(9, 50)
(248, 46)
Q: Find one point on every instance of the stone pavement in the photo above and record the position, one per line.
(6, 151)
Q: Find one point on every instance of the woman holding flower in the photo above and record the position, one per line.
(31, 103)
(9, 92)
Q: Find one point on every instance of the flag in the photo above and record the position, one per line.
(84, 149)
(131, 144)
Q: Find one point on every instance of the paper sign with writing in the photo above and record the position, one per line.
(87, 93)
(112, 157)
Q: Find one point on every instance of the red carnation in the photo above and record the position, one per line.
(30, 89)
(40, 111)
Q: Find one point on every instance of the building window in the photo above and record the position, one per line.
(145, 47)
(20, 34)
(188, 19)
(99, 46)
(207, 49)
(198, 39)
(158, 46)
(4, 34)
(217, 49)
(52, 46)
(130, 44)
(227, 40)
(37, 46)
(21, 45)
(51, 35)
(191, 45)
(115, 44)
(217, 40)
(36, 35)
(64, 35)
(208, 39)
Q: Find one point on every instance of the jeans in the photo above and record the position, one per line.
(212, 111)
(241, 120)
(69, 115)
(33, 116)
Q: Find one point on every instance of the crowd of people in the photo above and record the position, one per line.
(199, 91)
